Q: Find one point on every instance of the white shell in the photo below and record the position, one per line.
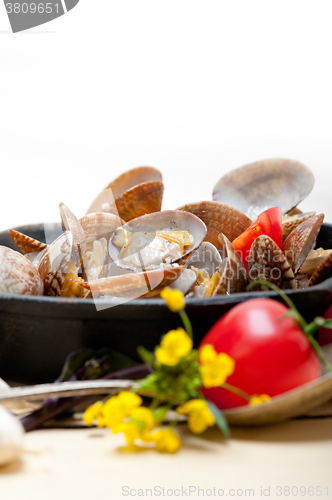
(18, 275)
(11, 437)
(176, 220)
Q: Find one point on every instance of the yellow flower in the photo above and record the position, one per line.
(257, 399)
(139, 426)
(117, 408)
(92, 413)
(174, 299)
(199, 415)
(173, 347)
(167, 441)
(215, 368)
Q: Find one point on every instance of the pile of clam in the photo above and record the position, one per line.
(126, 246)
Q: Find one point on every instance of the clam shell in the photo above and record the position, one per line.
(18, 275)
(219, 218)
(25, 243)
(71, 223)
(54, 263)
(289, 223)
(99, 225)
(185, 281)
(141, 284)
(123, 183)
(323, 271)
(299, 243)
(205, 257)
(168, 219)
(140, 200)
(95, 263)
(275, 182)
(314, 259)
(267, 262)
(294, 211)
(233, 273)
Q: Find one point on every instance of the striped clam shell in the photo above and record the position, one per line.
(233, 276)
(323, 271)
(300, 241)
(289, 223)
(54, 263)
(123, 183)
(219, 218)
(25, 243)
(18, 275)
(267, 262)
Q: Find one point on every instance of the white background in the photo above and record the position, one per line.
(194, 88)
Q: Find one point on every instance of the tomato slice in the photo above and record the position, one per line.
(269, 223)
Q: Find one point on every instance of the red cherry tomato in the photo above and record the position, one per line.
(272, 355)
(325, 334)
(269, 223)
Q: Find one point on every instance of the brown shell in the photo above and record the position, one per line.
(314, 259)
(133, 285)
(122, 184)
(323, 272)
(219, 218)
(300, 241)
(18, 275)
(291, 222)
(294, 211)
(274, 182)
(54, 262)
(99, 225)
(25, 243)
(233, 273)
(71, 223)
(267, 262)
(140, 200)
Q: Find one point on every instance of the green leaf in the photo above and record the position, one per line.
(221, 422)
(146, 356)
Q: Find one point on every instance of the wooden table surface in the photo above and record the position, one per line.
(92, 463)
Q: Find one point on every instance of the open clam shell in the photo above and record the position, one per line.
(185, 281)
(95, 262)
(314, 260)
(233, 276)
(323, 271)
(25, 243)
(275, 182)
(133, 285)
(72, 224)
(205, 257)
(219, 218)
(123, 183)
(99, 225)
(18, 275)
(290, 222)
(267, 262)
(54, 263)
(167, 220)
(300, 241)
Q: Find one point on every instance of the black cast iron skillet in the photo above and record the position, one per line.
(37, 333)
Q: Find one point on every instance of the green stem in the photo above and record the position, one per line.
(186, 322)
(154, 404)
(236, 391)
(173, 423)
